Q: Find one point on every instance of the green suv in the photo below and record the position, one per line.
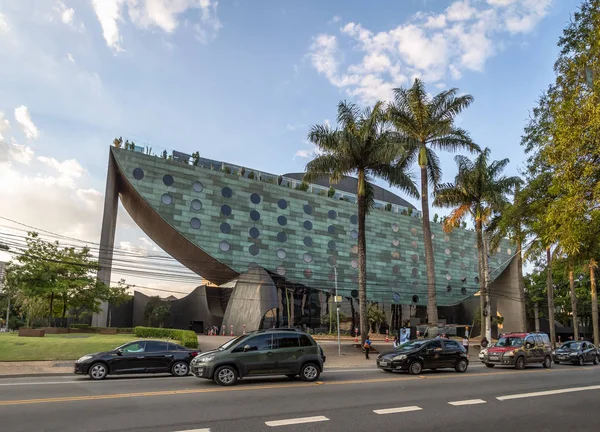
(263, 352)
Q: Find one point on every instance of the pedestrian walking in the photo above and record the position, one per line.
(367, 347)
(397, 342)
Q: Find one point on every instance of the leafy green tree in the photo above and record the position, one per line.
(362, 144)
(479, 190)
(427, 124)
(376, 317)
(157, 311)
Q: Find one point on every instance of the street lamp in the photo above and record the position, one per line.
(337, 310)
(5, 248)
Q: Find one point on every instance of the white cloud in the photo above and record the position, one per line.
(23, 117)
(69, 170)
(70, 58)
(435, 47)
(14, 152)
(108, 13)
(66, 15)
(335, 19)
(308, 153)
(3, 23)
(4, 125)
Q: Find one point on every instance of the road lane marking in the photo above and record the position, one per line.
(397, 410)
(41, 383)
(197, 430)
(467, 402)
(295, 421)
(548, 392)
(387, 379)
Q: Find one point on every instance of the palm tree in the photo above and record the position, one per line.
(478, 191)
(364, 145)
(427, 124)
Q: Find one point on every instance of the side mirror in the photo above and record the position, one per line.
(528, 345)
(247, 348)
(119, 352)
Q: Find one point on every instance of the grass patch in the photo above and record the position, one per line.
(57, 347)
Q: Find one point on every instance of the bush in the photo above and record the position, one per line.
(187, 337)
(80, 326)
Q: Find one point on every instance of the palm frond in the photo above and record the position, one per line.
(397, 176)
(456, 139)
(456, 216)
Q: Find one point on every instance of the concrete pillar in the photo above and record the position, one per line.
(107, 236)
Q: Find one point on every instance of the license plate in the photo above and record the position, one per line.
(564, 357)
(494, 358)
(382, 363)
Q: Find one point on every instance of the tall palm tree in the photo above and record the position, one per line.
(427, 124)
(479, 190)
(361, 145)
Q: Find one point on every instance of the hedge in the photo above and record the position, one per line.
(187, 337)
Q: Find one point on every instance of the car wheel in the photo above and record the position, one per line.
(595, 360)
(581, 361)
(547, 362)
(415, 368)
(461, 366)
(180, 369)
(98, 371)
(520, 364)
(309, 372)
(490, 365)
(226, 376)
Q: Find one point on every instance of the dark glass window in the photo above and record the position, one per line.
(308, 241)
(308, 273)
(254, 232)
(173, 347)
(134, 347)
(415, 299)
(196, 205)
(450, 345)
(331, 229)
(261, 342)
(225, 228)
(224, 246)
(197, 186)
(152, 346)
(282, 204)
(138, 173)
(435, 344)
(332, 245)
(463, 291)
(254, 250)
(331, 214)
(354, 234)
(282, 341)
(254, 215)
(227, 192)
(255, 198)
(282, 237)
(307, 209)
(282, 220)
(332, 261)
(307, 225)
(168, 180)
(226, 210)
(353, 219)
(166, 199)
(195, 223)
(305, 340)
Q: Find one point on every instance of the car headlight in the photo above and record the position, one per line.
(510, 353)
(573, 354)
(399, 357)
(553, 352)
(204, 359)
(84, 358)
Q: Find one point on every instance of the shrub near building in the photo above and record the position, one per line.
(187, 337)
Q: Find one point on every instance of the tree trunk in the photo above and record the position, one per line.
(362, 260)
(536, 317)
(487, 302)
(574, 304)
(521, 285)
(482, 287)
(550, 289)
(51, 324)
(594, 303)
(432, 312)
(64, 312)
(353, 314)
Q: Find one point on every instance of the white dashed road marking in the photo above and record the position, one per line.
(548, 393)
(296, 421)
(197, 430)
(467, 402)
(397, 410)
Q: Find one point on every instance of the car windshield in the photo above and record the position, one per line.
(510, 342)
(571, 345)
(411, 345)
(232, 342)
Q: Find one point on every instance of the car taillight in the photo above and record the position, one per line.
(194, 354)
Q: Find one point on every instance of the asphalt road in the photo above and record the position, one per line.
(561, 399)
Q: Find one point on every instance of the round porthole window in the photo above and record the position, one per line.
(282, 237)
(413, 231)
(395, 227)
(166, 199)
(476, 280)
(354, 249)
(195, 223)
(168, 180)
(354, 234)
(255, 198)
(224, 246)
(463, 291)
(282, 220)
(281, 271)
(308, 225)
(227, 192)
(307, 258)
(138, 173)
(415, 272)
(415, 299)
(254, 215)
(396, 255)
(254, 232)
(282, 204)
(308, 273)
(449, 289)
(414, 244)
(332, 245)
(396, 269)
(281, 253)
(254, 250)
(225, 228)
(332, 214)
(448, 276)
(226, 210)
(396, 242)
(354, 264)
(331, 261)
(308, 241)
(414, 258)
(196, 205)
(353, 219)
(447, 251)
(197, 186)
(331, 229)
(307, 209)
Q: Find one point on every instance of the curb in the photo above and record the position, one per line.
(32, 375)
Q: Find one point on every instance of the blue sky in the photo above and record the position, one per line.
(240, 81)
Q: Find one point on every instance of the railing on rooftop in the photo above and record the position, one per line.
(252, 174)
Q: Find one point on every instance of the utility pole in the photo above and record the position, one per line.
(4, 247)
(337, 310)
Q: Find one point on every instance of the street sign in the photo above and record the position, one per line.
(337, 299)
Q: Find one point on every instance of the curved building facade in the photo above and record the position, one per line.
(222, 220)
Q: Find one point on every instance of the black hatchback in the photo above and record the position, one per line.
(576, 352)
(142, 356)
(419, 354)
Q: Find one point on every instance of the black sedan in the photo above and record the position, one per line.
(576, 352)
(416, 355)
(143, 356)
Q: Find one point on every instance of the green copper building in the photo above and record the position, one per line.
(278, 247)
